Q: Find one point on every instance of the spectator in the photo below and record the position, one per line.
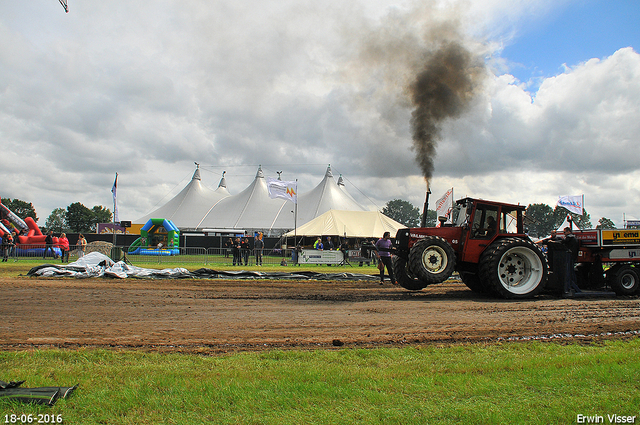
(383, 247)
(63, 243)
(258, 245)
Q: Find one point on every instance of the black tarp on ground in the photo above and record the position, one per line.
(41, 395)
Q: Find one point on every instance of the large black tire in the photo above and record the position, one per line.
(403, 275)
(432, 259)
(473, 282)
(624, 280)
(513, 268)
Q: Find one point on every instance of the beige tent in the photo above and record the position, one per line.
(350, 224)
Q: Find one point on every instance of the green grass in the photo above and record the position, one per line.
(518, 383)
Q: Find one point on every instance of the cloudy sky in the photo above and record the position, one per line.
(147, 88)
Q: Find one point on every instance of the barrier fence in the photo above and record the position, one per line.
(175, 257)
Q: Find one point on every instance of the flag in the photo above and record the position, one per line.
(572, 203)
(283, 189)
(444, 206)
(115, 205)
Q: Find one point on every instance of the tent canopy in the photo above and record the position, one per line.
(350, 224)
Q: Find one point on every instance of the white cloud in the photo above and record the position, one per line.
(147, 88)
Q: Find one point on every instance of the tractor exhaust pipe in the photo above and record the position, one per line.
(423, 222)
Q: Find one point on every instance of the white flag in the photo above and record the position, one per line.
(444, 205)
(572, 203)
(283, 189)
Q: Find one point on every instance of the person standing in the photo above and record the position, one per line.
(82, 245)
(63, 242)
(383, 247)
(245, 248)
(329, 243)
(48, 241)
(228, 247)
(4, 245)
(258, 245)
(236, 252)
(572, 245)
(318, 244)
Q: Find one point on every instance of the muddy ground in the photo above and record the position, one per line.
(213, 316)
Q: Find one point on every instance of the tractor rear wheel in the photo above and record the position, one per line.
(432, 259)
(624, 280)
(473, 282)
(513, 268)
(404, 276)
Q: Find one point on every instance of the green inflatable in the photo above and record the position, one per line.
(152, 239)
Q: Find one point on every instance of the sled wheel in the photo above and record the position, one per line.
(404, 276)
(513, 268)
(624, 280)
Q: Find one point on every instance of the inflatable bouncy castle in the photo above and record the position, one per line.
(27, 236)
(158, 237)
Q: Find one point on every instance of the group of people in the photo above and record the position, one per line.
(240, 249)
(63, 245)
(571, 246)
(9, 241)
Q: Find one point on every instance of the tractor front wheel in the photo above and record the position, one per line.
(403, 275)
(432, 259)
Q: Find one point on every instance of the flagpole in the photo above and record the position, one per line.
(114, 190)
(295, 223)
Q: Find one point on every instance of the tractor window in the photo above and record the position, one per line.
(509, 221)
(485, 222)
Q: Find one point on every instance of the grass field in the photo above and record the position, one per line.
(517, 383)
(190, 262)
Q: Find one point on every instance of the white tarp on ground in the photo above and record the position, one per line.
(96, 264)
(350, 224)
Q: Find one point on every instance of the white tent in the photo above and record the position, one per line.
(350, 224)
(189, 206)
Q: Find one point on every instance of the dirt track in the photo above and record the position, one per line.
(218, 316)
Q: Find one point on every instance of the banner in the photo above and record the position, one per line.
(444, 206)
(572, 203)
(115, 205)
(283, 189)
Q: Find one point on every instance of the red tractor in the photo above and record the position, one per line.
(485, 244)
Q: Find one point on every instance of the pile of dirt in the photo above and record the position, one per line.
(99, 246)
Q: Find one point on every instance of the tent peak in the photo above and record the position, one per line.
(259, 174)
(196, 174)
(340, 181)
(223, 181)
(329, 173)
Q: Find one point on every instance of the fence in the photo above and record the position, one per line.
(210, 258)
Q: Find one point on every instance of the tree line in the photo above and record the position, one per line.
(76, 218)
(540, 219)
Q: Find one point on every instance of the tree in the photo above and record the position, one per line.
(79, 218)
(605, 223)
(20, 208)
(57, 221)
(100, 215)
(540, 220)
(403, 212)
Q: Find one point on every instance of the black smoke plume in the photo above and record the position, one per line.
(442, 89)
